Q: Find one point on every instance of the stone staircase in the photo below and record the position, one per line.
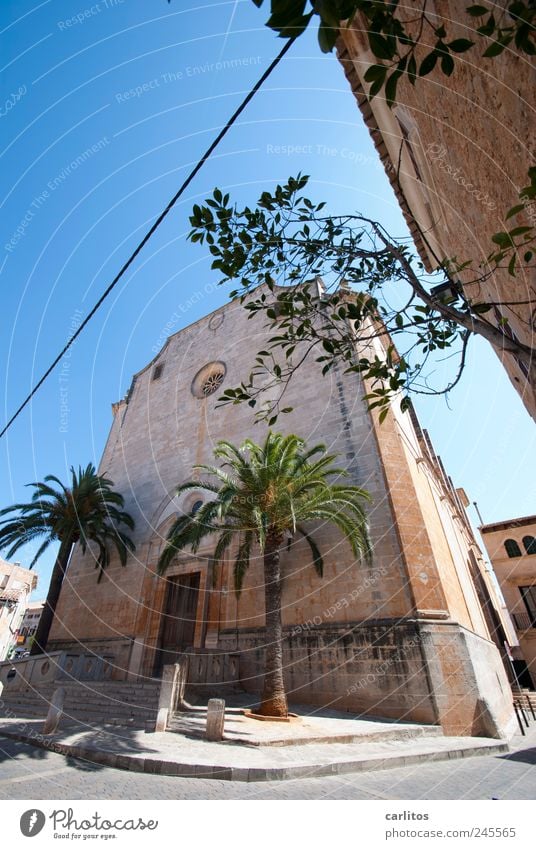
(132, 704)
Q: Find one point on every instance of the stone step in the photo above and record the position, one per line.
(117, 705)
(96, 717)
(96, 711)
(122, 698)
(109, 685)
(142, 693)
(71, 699)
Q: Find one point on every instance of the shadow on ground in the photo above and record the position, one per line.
(36, 745)
(527, 756)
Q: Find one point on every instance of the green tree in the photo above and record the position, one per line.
(87, 511)
(409, 40)
(274, 253)
(263, 497)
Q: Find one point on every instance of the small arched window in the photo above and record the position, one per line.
(512, 548)
(530, 544)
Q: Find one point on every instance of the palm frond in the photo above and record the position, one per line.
(318, 562)
(270, 489)
(88, 510)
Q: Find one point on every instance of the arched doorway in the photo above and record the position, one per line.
(180, 614)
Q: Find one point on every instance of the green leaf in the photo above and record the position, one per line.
(428, 63)
(474, 11)
(375, 88)
(460, 45)
(375, 72)
(390, 87)
(494, 49)
(380, 46)
(327, 36)
(480, 309)
(502, 239)
(518, 231)
(412, 70)
(488, 28)
(515, 209)
(447, 65)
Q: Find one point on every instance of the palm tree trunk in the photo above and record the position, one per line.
(274, 700)
(45, 622)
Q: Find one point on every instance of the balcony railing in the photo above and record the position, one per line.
(524, 621)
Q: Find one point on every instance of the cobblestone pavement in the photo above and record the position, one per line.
(31, 773)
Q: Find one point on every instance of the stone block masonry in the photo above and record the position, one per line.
(355, 636)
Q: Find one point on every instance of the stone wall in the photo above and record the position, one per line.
(513, 573)
(411, 670)
(374, 668)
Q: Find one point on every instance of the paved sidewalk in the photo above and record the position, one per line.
(254, 750)
(31, 773)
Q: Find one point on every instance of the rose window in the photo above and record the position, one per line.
(212, 383)
(208, 379)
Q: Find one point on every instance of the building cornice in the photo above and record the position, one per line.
(521, 522)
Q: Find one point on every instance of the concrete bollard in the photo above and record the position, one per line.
(162, 719)
(171, 697)
(215, 720)
(55, 711)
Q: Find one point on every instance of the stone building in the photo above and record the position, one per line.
(405, 637)
(16, 584)
(28, 626)
(511, 546)
(457, 151)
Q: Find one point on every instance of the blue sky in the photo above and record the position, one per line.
(105, 106)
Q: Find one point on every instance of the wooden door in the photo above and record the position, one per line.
(179, 619)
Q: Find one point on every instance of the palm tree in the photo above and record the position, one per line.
(263, 496)
(87, 511)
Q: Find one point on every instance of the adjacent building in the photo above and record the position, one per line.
(457, 150)
(16, 584)
(511, 545)
(28, 626)
(409, 636)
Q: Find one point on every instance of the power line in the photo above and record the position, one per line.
(210, 150)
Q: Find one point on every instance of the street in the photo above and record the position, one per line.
(32, 773)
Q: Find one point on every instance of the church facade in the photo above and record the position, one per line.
(405, 637)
